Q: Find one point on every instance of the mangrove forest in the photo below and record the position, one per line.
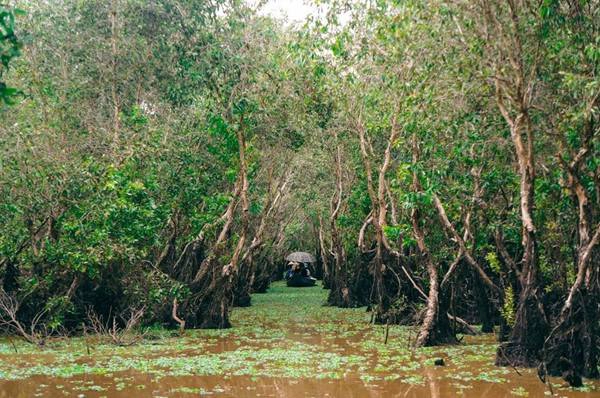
(279, 198)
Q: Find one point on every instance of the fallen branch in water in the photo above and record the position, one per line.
(119, 335)
(464, 324)
(34, 333)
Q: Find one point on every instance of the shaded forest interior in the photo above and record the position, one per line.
(159, 159)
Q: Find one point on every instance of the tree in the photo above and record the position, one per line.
(10, 47)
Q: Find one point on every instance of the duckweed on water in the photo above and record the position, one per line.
(287, 333)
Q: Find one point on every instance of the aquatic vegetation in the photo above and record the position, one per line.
(519, 391)
(286, 335)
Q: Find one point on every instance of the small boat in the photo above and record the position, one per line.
(301, 281)
(298, 274)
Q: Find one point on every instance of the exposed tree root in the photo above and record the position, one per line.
(526, 341)
(571, 348)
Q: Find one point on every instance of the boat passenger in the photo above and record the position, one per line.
(305, 271)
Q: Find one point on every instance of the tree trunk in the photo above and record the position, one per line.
(379, 206)
(324, 257)
(526, 339)
(515, 81)
(339, 295)
(531, 326)
(435, 327)
(212, 285)
(572, 345)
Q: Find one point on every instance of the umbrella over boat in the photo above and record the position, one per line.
(301, 257)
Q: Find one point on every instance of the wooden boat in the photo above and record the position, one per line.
(301, 281)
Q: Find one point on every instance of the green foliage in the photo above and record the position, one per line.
(57, 308)
(115, 223)
(393, 232)
(10, 48)
(508, 310)
(126, 150)
(493, 262)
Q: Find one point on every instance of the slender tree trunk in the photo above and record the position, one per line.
(340, 294)
(244, 278)
(572, 345)
(485, 307)
(211, 282)
(435, 327)
(464, 251)
(531, 326)
(515, 90)
(225, 283)
(324, 254)
(378, 219)
(428, 333)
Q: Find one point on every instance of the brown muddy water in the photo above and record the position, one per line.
(286, 345)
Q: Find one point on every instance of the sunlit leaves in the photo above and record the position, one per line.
(508, 309)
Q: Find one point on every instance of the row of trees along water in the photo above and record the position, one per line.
(159, 158)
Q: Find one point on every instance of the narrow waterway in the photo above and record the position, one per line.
(286, 345)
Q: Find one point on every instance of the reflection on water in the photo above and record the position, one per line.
(244, 386)
(286, 345)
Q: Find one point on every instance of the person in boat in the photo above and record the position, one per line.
(298, 275)
(304, 271)
(294, 268)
